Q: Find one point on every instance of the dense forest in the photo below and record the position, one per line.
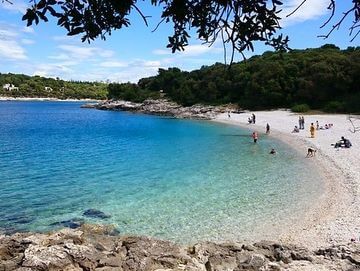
(325, 78)
(36, 86)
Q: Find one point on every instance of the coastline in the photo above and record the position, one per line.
(44, 99)
(335, 218)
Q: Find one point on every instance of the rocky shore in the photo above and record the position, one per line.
(163, 107)
(94, 247)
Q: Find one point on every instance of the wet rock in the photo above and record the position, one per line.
(71, 223)
(96, 214)
(19, 219)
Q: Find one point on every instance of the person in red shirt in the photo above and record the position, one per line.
(255, 136)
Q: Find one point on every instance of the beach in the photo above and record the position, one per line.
(335, 217)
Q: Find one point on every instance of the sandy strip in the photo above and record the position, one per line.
(335, 218)
(41, 99)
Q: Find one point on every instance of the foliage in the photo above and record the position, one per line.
(36, 86)
(313, 76)
(334, 107)
(129, 92)
(324, 78)
(238, 23)
(300, 108)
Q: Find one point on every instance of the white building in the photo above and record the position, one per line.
(10, 87)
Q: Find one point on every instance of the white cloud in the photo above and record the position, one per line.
(27, 41)
(311, 9)
(60, 57)
(190, 50)
(7, 33)
(113, 64)
(11, 50)
(28, 29)
(15, 6)
(83, 53)
(161, 52)
(53, 70)
(195, 50)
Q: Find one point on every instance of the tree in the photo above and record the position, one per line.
(238, 23)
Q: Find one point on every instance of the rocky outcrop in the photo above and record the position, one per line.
(92, 247)
(162, 107)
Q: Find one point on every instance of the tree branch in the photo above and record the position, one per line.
(291, 13)
(337, 25)
(142, 15)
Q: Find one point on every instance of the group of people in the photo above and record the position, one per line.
(252, 119)
(301, 123)
(343, 143)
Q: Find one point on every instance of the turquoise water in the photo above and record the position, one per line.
(174, 179)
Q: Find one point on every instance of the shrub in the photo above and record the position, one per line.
(300, 108)
(334, 107)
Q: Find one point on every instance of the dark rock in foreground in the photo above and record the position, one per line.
(91, 248)
(162, 107)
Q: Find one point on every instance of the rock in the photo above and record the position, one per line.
(163, 107)
(110, 230)
(73, 223)
(90, 248)
(40, 257)
(96, 214)
(89, 105)
(19, 219)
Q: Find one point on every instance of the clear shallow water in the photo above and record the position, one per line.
(174, 179)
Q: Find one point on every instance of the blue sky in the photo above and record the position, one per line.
(137, 52)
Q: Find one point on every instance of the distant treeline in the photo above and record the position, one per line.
(325, 78)
(36, 86)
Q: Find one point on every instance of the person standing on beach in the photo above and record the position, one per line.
(255, 136)
(312, 130)
(267, 128)
(317, 125)
(303, 122)
(300, 122)
(253, 118)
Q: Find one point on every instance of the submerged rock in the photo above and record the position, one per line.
(96, 214)
(71, 223)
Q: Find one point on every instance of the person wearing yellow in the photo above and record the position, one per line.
(312, 130)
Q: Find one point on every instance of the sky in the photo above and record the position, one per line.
(137, 52)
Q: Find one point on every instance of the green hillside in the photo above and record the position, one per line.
(36, 86)
(325, 78)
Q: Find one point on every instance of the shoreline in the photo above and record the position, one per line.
(334, 219)
(44, 99)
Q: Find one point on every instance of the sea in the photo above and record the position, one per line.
(179, 180)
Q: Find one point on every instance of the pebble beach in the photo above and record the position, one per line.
(335, 218)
